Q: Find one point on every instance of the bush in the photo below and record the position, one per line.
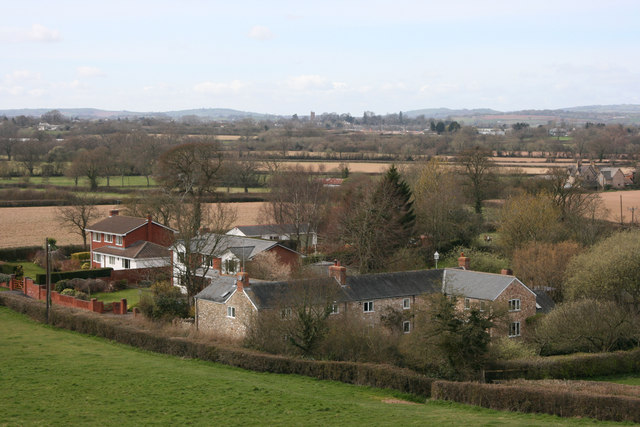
(62, 285)
(82, 274)
(4, 278)
(119, 285)
(81, 256)
(166, 302)
(505, 348)
(76, 294)
(90, 286)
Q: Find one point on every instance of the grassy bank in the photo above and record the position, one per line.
(52, 376)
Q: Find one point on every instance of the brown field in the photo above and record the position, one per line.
(630, 199)
(30, 226)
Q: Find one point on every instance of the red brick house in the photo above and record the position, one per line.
(124, 242)
(227, 304)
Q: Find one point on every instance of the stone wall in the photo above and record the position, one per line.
(212, 316)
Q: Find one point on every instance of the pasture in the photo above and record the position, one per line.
(56, 377)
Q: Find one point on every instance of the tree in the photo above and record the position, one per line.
(29, 153)
(303, 204)
(375, 224)
(542, 265)
(160, 204)
(609, 270)
(77, 216)
(267, 266)
(90, 164)
(477, 170)
(529, 218)
(440, 214)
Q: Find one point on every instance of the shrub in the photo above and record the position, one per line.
(166, 302)
(82, 274)
(4, 278)
(119, 285)
(81, 256)
(505, 348)
(76, 294)
(85, 266)
(62, 285)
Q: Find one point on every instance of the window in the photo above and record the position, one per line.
(126, 263)
(96, 237)
(467, 304)
(406, 303)
(514, 304)
(406, 326)
(97, 257)
(231, 312)
(119, 240)
(230, 266)
(285, 313)
(368, 307)
(108, 238)
(514, 329)
(335, 309)
(482, 306)
(112, 260)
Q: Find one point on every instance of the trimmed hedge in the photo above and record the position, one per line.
(531, 399)
(583, 365)
(41, 278)
(27, 252)
(382, 376)
(81, 256)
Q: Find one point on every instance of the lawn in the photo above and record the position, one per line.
(30, 269)
(131, 295)
(621, 379)
(57, 377)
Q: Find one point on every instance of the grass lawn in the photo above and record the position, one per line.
(30, 269)
(131, 295)
(51, 376)
(63, 181)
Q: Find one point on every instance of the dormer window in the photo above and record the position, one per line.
(108, 238)
(96, 237)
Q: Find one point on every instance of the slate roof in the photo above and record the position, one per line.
(247, 247)
(220, 289)
(393, 285)
(476, 284)
(544, 303)
(261, 230)
(139, 250)
(117, 224)
(277, 294)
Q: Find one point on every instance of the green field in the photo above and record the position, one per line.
(63, 181)
(131, 295)
(621, 379)
(30, 269)
(50, 376)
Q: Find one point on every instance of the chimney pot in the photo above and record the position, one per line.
(506, 272)
(243, 281)
(464, 262)
(339, 273)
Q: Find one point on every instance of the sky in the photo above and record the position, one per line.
(346, 56)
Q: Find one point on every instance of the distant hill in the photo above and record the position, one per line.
(443, 113)
(94, 113)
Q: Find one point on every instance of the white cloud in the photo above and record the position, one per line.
(217, 88)
(309, 82)
(21, 76)
(87, 71)
(259, 32)
(37, 33)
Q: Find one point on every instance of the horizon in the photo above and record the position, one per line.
(287, 58)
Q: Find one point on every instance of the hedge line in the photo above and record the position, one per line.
(26, 252)
(530, 399)
(568, 367)
(41, 278)
(382, 376)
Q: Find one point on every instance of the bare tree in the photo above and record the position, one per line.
(477, 167)
(77, 216)
(29, 153)
(90, 164)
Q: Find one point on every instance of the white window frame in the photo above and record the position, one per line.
(96, 236)
(119, 240)
(335, 308)
(514, 329)
(231, 312)
(483, 306)
(368, 307)
(126, 263)
(97, 257)
(108, 238)
(467, 303)
(112, 260)
(406, 303)
(406, 326)
(514, 304)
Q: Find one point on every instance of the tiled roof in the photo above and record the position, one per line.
(476, 284)
(265, 229)
(117, 224)
(242, 247)
(139, 250)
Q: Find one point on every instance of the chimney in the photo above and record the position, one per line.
(217, 264)
(464, 262)
(338, 272)
(243, 281)
(114, 212)
(506, 272)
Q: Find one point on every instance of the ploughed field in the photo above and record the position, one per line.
(29, 226)
(56, 377)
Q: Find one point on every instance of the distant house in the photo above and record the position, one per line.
(124, 242)
(277, 232)
(611, 178)
(331, 182)
(227, 304)
(228, 254)
(585, 174)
